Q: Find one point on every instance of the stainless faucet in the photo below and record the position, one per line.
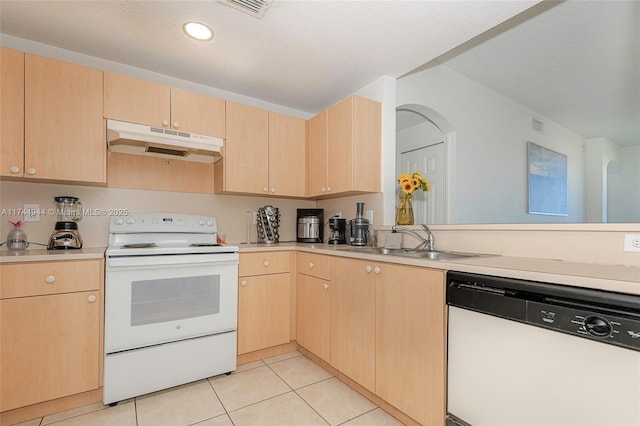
(428, 242)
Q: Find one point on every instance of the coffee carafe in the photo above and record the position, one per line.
(358, 228)
(66, 235)
(337, 231)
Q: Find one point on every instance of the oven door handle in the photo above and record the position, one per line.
(168, 260)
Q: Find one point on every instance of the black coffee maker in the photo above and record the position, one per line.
(337, 231)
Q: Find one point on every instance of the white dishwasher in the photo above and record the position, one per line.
(539, 354)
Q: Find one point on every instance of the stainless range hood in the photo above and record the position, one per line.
(138, 139)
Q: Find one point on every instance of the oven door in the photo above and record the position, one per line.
(151, 300)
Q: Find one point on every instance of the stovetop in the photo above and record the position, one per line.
(140, 234)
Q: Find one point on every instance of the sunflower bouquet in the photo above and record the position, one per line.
(408, 184)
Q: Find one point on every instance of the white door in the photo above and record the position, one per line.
(428, 207)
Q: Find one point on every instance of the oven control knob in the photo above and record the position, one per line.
(119, 221)
(209, 222)
(201, 222)
(597, 326)
(130, 221)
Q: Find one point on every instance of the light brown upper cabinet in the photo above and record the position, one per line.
(143, 102)
(344, 146)
(12, 116)
(287, 172)
(64, 128)
(264, 153)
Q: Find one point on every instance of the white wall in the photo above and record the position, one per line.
(490, 184)
(624, 187)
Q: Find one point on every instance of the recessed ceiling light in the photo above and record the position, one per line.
(198, 31)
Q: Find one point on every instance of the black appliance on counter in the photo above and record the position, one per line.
(310, 225)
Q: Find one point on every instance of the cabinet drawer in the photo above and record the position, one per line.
(271, 262)
(316, 265)
(34, 279)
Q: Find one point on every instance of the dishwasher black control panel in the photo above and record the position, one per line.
(603, 316)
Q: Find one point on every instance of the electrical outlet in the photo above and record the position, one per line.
(632, 242)
(31, 213)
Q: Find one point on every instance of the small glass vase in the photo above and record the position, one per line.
(404, 212)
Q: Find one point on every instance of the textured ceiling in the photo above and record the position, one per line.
(304, 55)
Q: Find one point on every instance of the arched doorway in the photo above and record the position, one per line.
(424, 141)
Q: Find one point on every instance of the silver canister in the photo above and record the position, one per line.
(268, 224)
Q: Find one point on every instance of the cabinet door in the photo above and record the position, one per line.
(263, 311)
(246, 151)
(287, 171)
(340, 146)
(136, 101)
(64, 128)
(367, 145)
(314, 315)
(50, 347)
(12, 116)
(317, 155)
(353, 305)
(196, 113)
(410, 341)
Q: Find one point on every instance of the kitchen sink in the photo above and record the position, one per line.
(425, 254)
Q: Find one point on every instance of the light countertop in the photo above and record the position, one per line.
(619, 278)
(44, 255)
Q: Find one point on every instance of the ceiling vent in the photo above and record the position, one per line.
(252, 7)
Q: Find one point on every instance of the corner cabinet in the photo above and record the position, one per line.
(344, 148)
(51, 330)
(52, 127)
(264, 300)
(264, 153)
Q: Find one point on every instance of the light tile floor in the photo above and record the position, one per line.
(285, 390)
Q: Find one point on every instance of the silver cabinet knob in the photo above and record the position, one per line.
(265, 263)
(265, 189)
(50, 279)
(326, 286)
(243, 283)
(323, 189)
(328, 189)
(165, 122)
(273, 190)
(14, 169)
(376, 270)
(176, 124)
(367, 268)
(92, 298)
(311, 265)
(31, 171)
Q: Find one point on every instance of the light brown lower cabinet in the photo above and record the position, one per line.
(263, 311)
(353, 320)
(387, 330)
(410, 341)
(51, 338)
(314, 315)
